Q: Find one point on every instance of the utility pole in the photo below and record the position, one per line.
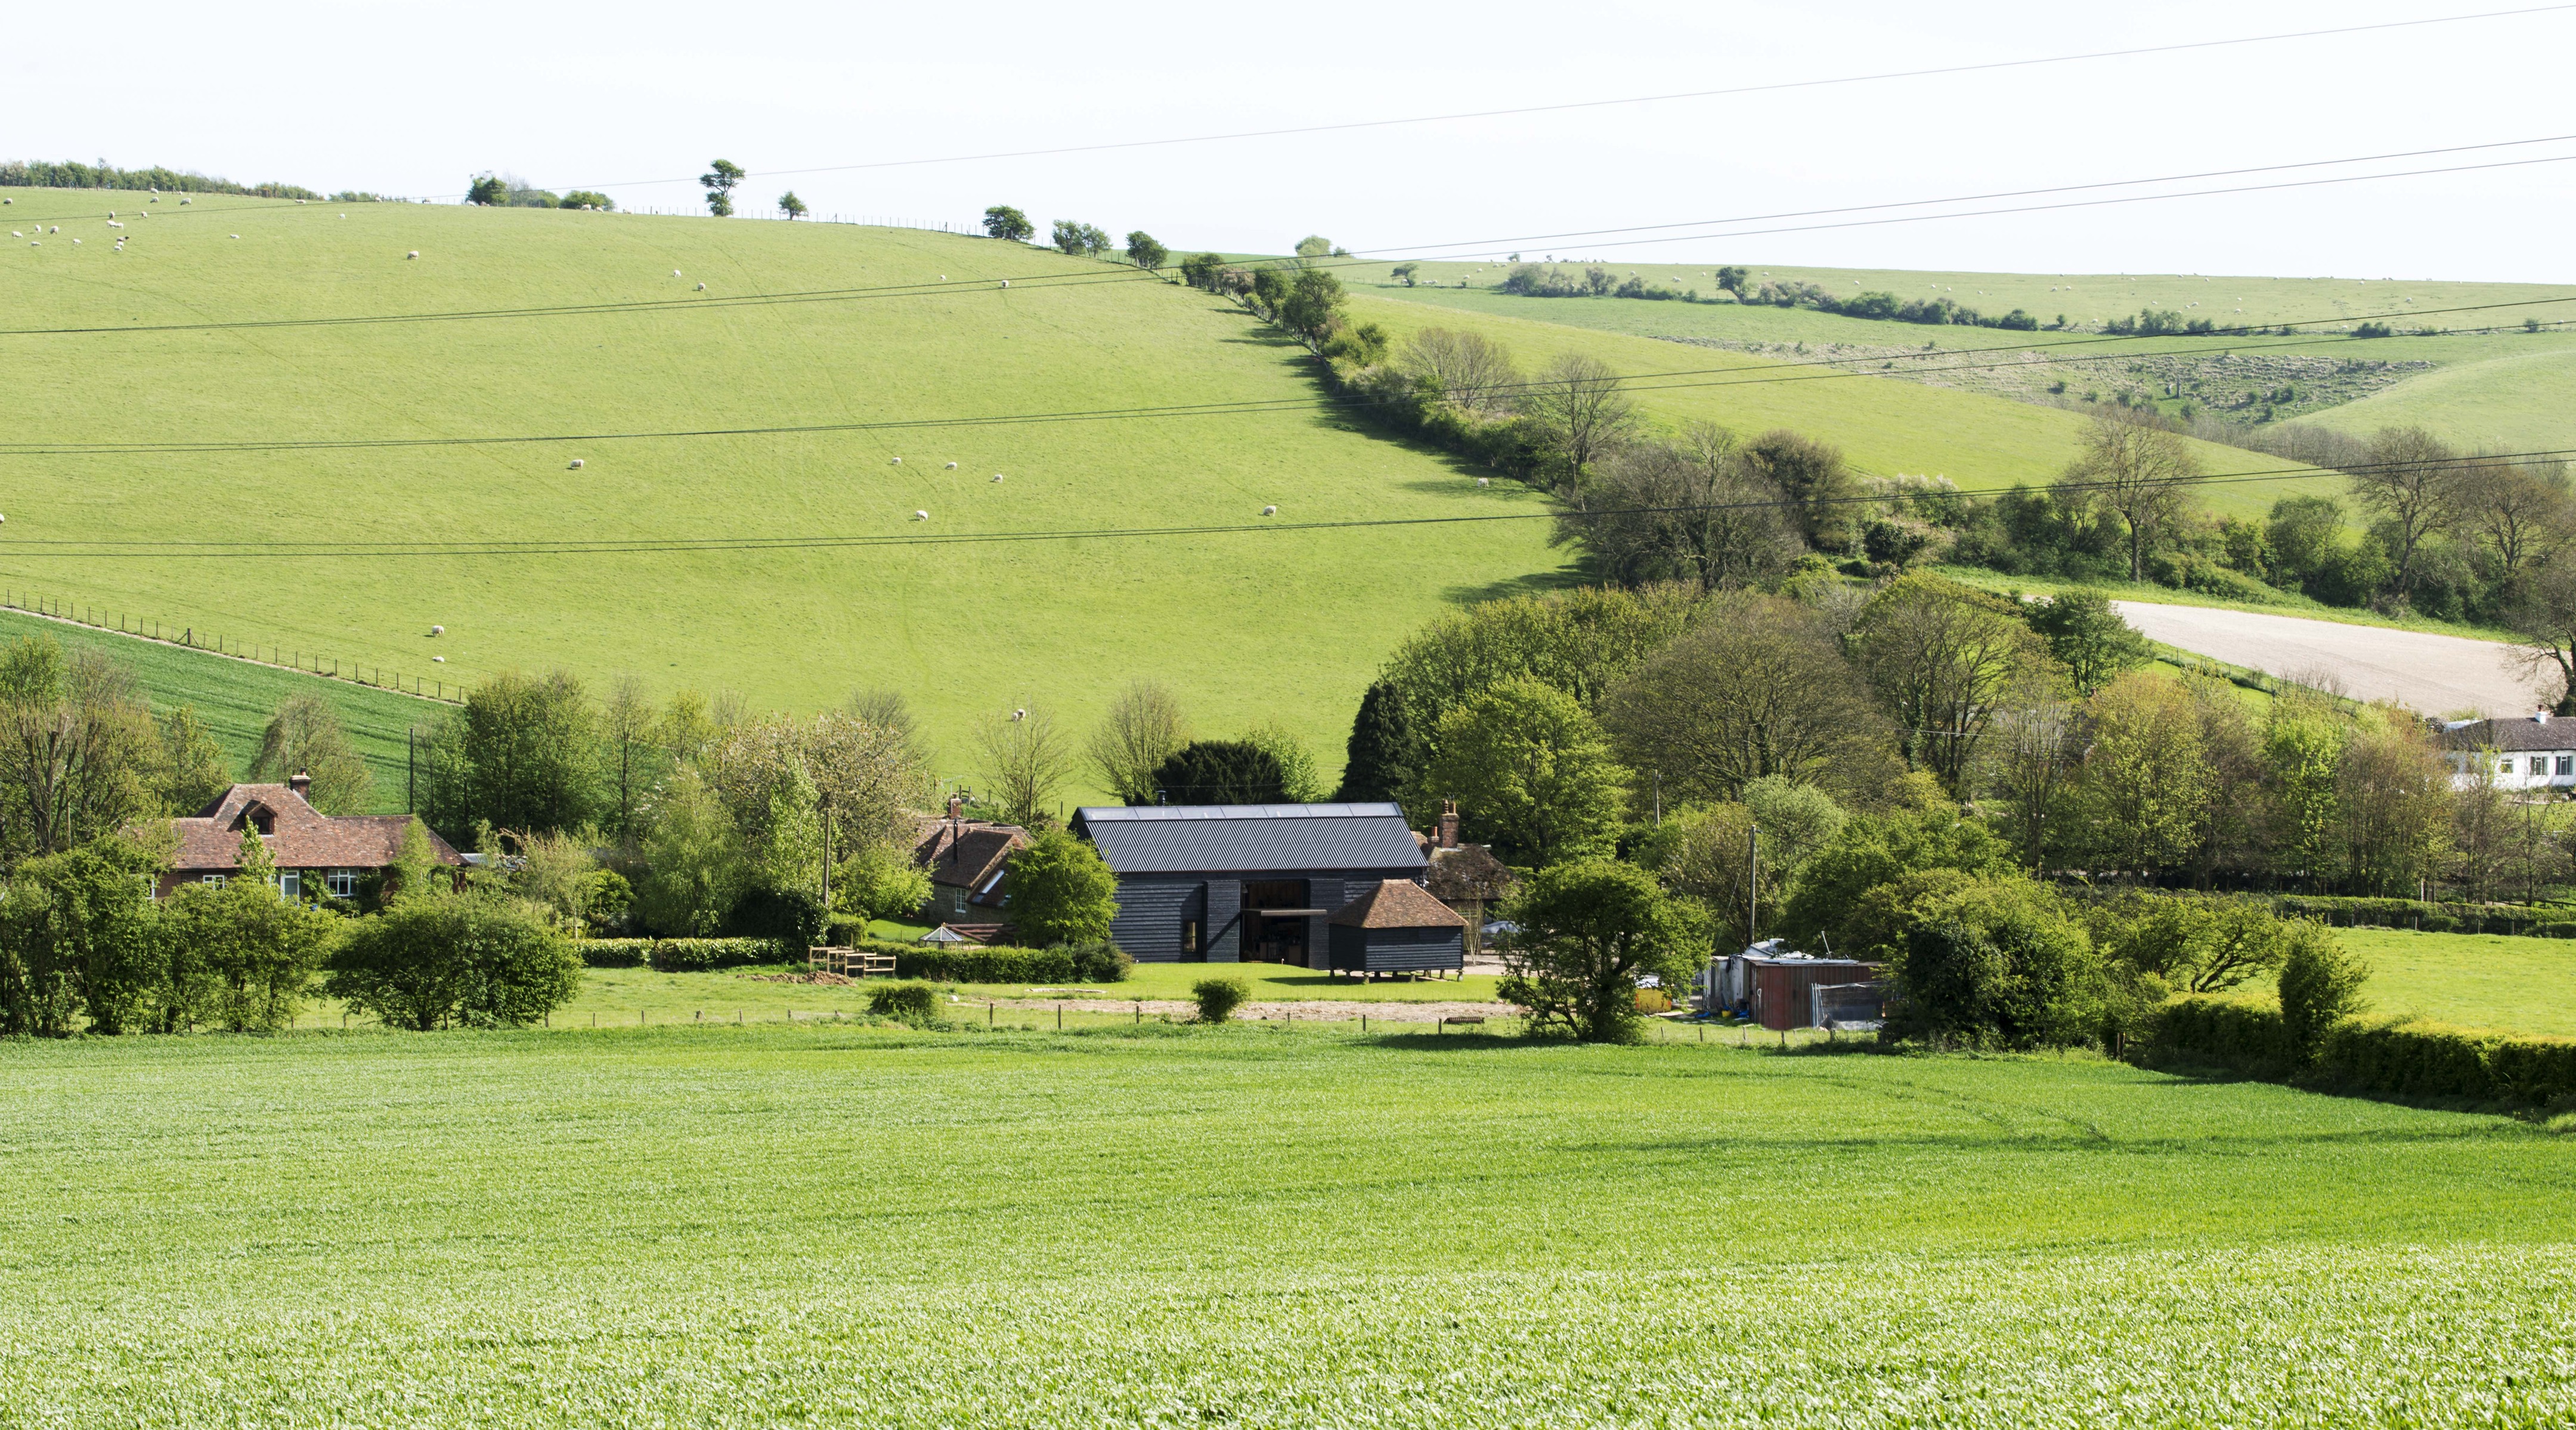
(411, 768)
(1752, 885)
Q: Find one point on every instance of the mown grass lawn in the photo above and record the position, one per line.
(822, 1225)
(2517, 985)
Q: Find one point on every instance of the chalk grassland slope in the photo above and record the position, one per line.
(1249, 1227)
(1885, 426)
(1245, 627)
(2512, 390)
(236, 698)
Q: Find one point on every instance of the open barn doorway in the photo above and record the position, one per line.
(1275, 915)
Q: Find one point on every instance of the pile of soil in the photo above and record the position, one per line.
(815, 975)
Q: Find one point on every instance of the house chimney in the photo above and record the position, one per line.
(1448, 824)
(302, 784)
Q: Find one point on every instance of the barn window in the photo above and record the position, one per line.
(1189, 935)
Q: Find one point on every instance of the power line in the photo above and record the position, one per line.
(2004, 194)
(1772, 88)
(1820, 369)
(1078, 279)
(269, 550)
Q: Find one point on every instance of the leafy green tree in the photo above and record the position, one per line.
(589, 199)
(1201, 270)
(1999, 963)
(2147, 780)
(1384, 753)
(719, 181)
(196, 772)
(1813, 477)
(1942, 655)
(880, 881)
(1703, 853)
(241, 956)
(458, 960)
(1796, 820)
(1588, 930)
(1582, 642)
(522, 755)
(1061, 892)
(489, 190)
(1532, 773)
(2088, 637)
(1314, 245)
(1405, 273)
(2320, 986)
(305, 737)
(1068, 237)
(2193, 943)
(1580, 406)
(1144, 252)
(2304, 533)
(1298, 781)
(79, 754)
(77, 935)
(1735, 279)
(1220, 772)
(1143, 728)
(2393, 796)
(2134, 468)
(791, 205)
(1004, 221)
(693, 864)
(1879, 849)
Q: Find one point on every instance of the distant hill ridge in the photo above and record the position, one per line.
(72, 174)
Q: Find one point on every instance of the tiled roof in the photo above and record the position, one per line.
(302, 837)
(1241, 838)
(2524, 733)
(966, 854)
(1469, 871)
(1398, 904)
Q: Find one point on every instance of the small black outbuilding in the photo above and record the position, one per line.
(1398, 927)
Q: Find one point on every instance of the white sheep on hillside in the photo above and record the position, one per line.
(1484, 481)
(1270, 511)
(898, 461)
(438, 630)
(921, 516)
(576, 465)
(702, 287)
(997, 476)
(187, 201)
(415, 253)
(675, 273)
(952, 466)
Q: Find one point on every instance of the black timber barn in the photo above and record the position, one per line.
(1225, 883)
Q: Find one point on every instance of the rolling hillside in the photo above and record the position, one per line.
(1247, 627)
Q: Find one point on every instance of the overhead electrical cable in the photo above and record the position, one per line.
(266, 550)
(1977, 67)
(1057, 279)
(1818, 369)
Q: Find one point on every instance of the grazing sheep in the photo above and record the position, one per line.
(702, 287)
(1019, 714)
(921, 516)
(898, 461)
(57, 228)
(442, 660)
(675, 273)
(997, 476)
(1006, 282)
(438, 630)
(111, 213)
(415, 253)
(187, 201)
(236, 235)
(952, 466)
(1270, 511)
(943, 277)
(576, 465)
(1484, 481)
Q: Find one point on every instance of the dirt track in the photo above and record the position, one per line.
(2437, 675)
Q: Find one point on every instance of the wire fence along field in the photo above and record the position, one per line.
(449, 689)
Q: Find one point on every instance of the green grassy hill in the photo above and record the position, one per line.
(236, 698)
(1246, 626)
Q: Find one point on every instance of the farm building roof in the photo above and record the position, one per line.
(1398, 904)
(1469, 871)
(2525, 732)
(299, 836)
(1229, 838)
(966, 854)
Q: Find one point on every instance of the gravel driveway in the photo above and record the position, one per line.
(2435, 675)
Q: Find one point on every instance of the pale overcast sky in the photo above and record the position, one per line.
(412, 99)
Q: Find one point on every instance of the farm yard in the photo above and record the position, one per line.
(860, 1226)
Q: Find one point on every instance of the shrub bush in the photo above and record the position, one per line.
(697, 955)
(1064, 963)
(2437, 917)
(913, 1004)
(458, 960)
(1219, 997)
(2320, 987)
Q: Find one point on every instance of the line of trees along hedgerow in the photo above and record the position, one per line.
(72, 174)
(602, 814)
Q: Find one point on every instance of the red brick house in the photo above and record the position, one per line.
(314, 852)
(967, 860)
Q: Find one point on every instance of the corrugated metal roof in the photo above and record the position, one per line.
(1235, 838)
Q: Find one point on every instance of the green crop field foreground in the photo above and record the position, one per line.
(1165, 1226)
(1245, 627)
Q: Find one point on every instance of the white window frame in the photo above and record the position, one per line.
(290, 883)
(343, 883)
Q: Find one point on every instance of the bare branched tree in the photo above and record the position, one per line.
(1026, 761)
(1689, 512)
(1582, 406)
(1143, 728)
(305, 737)
(1470, 370)
(2139, 473)
(2417, 485)
(2028, 764)
(630, 730)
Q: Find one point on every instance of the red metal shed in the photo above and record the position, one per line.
(1782, 987)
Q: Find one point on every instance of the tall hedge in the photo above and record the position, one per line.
(2408, 1060)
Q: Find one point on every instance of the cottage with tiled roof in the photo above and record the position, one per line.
(2533, 752)
(969, 865)
(315, 853)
